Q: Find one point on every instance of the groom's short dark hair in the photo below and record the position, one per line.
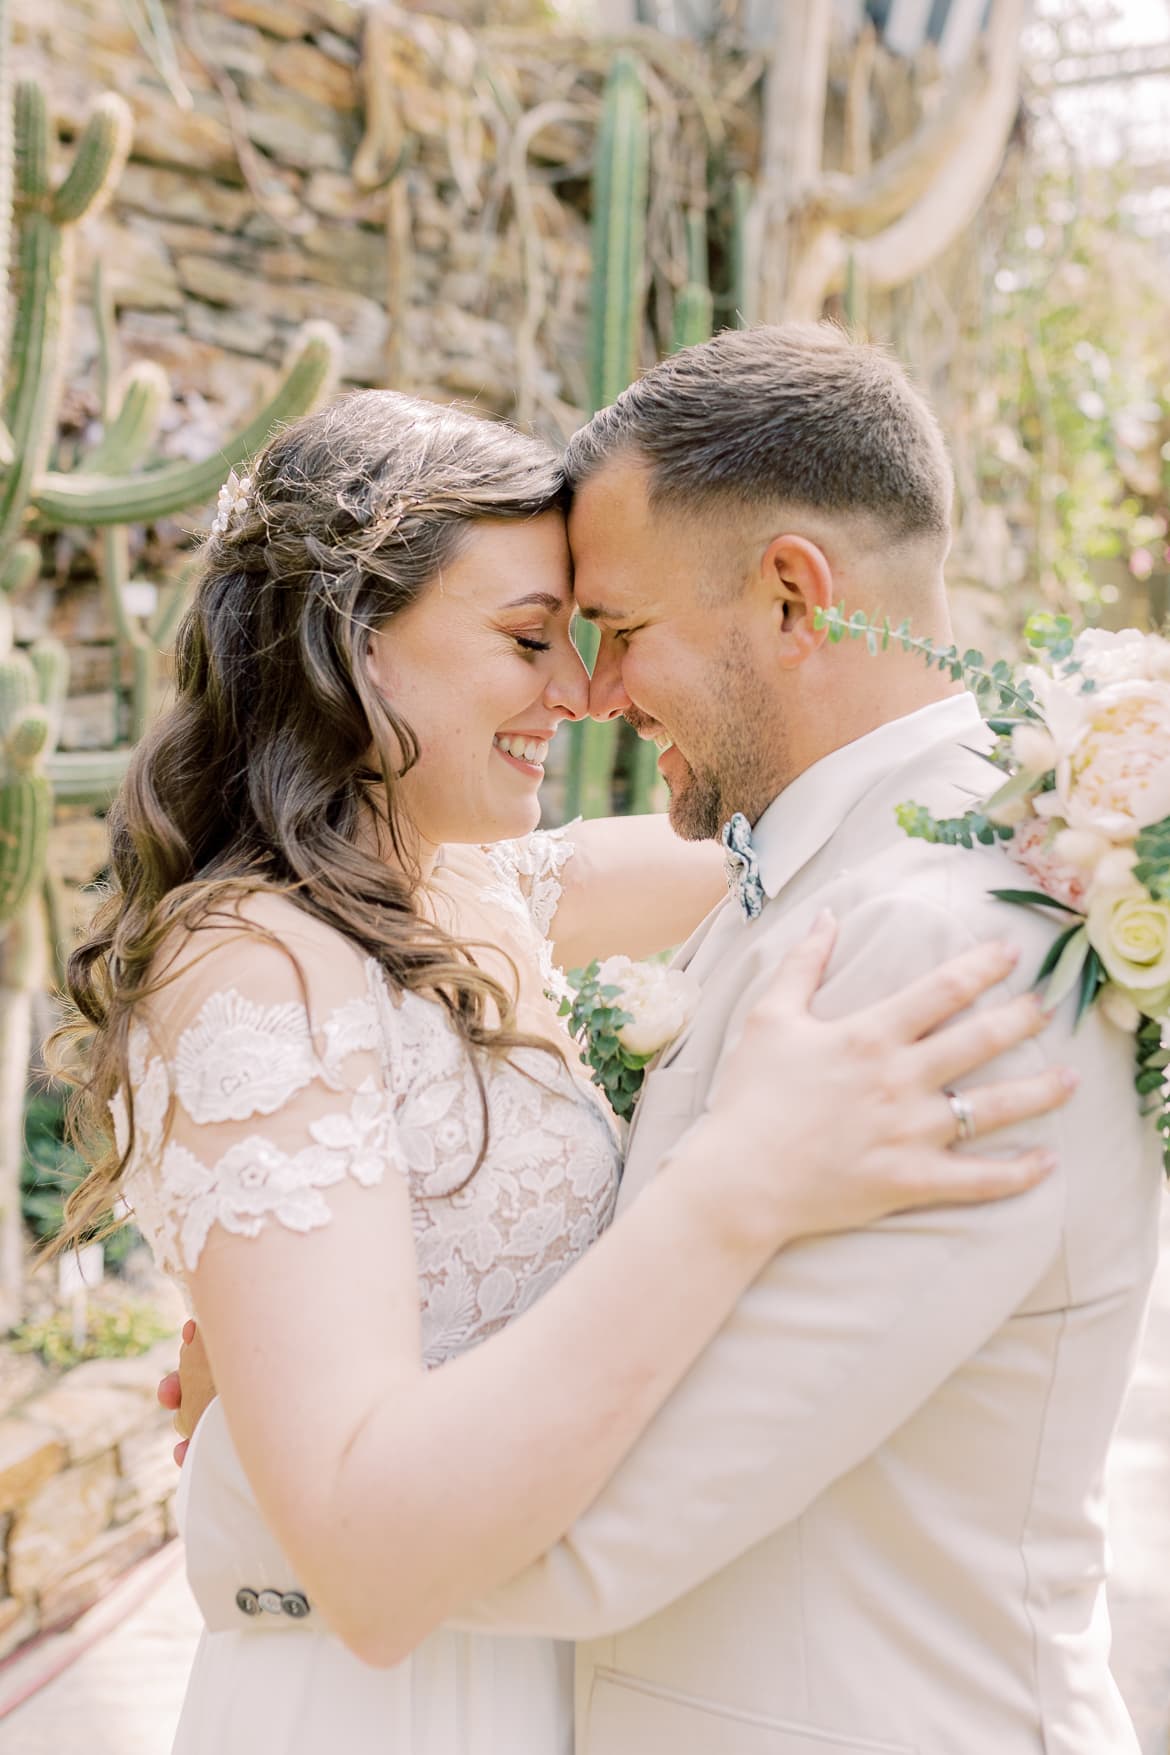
(796, 413)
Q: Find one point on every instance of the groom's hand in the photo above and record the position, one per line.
(187, 1391)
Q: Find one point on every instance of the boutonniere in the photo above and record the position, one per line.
(1083, 806)
(622, 1014)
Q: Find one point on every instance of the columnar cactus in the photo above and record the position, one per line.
(694, 307)
(620, 195)
(108, 489)
(38, 221)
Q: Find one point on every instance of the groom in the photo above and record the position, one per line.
(869, 1521)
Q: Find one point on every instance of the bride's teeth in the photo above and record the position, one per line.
(663, 743)
(524, 749)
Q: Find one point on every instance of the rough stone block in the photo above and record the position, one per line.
(29, 1455)
(111, 1555)
(305, 70)
(89, 1418)
(282, 18)
(148, 1475)
(54, 1530)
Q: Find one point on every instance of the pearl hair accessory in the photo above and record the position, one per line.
(232, 503)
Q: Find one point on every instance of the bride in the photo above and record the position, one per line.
(346, 1116)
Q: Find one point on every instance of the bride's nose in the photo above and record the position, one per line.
(568, 688)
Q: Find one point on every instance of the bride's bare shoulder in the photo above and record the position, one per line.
(262, 935)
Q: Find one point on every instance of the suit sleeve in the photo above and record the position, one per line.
(834, 1347)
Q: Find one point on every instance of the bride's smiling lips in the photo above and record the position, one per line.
(524, 750)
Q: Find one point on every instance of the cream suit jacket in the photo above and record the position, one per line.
(871, 1518)
(869, 1521)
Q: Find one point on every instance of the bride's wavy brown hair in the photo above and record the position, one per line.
(258, 778)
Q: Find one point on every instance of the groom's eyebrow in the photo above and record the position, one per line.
(598, 613)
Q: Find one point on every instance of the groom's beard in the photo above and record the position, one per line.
(734, 749)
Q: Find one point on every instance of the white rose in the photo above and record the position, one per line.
(1034, 749)
(1157, 658)
(1130, 932)
(661, 1002)
(1115, 777)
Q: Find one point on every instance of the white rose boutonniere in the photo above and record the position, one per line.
(1082, 760)
(624, 1013)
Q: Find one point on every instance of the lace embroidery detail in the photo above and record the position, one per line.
(529, 885)
(488, 1244)
(530, 869)
(240, 1059)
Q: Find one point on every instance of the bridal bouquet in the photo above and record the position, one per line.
(622, 1014)
(1083, 806)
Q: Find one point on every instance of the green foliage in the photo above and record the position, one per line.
(595, 1018)
(995, 686)
(50, 1170)
(1153, 859)
(120, 1331)
(1069, 403)
(1150, 1081)
(917, 822)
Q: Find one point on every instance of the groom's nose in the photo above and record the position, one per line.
(607, 696)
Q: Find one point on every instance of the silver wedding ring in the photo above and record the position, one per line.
(964, 1117)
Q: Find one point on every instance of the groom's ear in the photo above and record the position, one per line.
(797, 580)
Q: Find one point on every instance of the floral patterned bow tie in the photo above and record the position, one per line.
(742, 866)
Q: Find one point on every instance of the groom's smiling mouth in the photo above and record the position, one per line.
(650, 731)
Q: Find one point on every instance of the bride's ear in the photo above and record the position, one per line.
(798, 580)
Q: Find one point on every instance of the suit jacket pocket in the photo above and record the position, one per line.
(630, 1717)
(671, 1098)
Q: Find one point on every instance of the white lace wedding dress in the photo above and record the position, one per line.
(271, 1109)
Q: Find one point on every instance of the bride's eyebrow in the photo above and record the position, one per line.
(544, 599)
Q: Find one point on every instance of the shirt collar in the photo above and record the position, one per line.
(805, 816)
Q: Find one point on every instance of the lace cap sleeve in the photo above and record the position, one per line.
(531, 868)
(258, 1083)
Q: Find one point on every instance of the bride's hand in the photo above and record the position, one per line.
(849, 1120)
(187, 1392)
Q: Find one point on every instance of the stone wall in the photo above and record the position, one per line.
(87, 1481)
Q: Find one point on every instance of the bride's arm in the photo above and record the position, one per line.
(372, 1472)
(632, 886)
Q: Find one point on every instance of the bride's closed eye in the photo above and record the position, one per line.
(531, 645)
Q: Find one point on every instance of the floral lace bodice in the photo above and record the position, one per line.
(249, 1109)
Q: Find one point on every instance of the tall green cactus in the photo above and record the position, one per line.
(32, 686)
(621, 183)
(110, 489)
(694, 307)
(620, 195)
